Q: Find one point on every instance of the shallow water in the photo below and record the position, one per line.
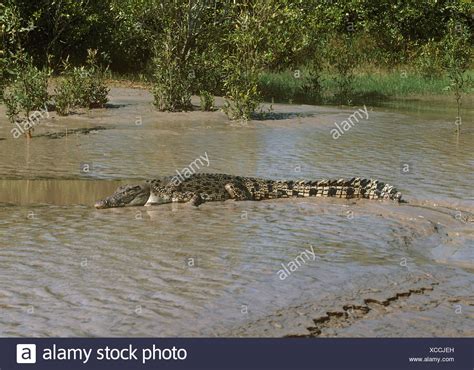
(67, 269)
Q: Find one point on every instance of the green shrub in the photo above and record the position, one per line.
(245, 60)
(207, 101)
(94, 91)
(27, 93)
(172, 85)
(12, 106)
(243, 97)
(82, 87)
(344, 57)
(10, 30)
(312, 87)
(184, 33)
(64, 97)
(429, 61)
(66, 92)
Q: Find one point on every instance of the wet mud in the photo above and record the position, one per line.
(381, 269)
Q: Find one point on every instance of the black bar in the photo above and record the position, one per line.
(203, 353)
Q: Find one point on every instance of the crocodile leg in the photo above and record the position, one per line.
(156, 199)
(170, 195)
(196, 200)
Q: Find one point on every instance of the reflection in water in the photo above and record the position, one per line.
(67, 269)
(55, 192)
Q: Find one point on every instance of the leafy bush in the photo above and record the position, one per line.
(129, 29)
(312, 89)
(94, 91)
(429, 61)
(66, 92)
(172, 85)
(11, 32)
(242, 97)
(184, 32)
(209, 71)
(82, 87)
(247, 54)
(207, 101)
(27, 93)
(344, 57)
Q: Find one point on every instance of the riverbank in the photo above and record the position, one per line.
(374, 87)
(368, 86)
(431, 298)
(417, 304)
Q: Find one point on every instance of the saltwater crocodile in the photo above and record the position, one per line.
(200, 188)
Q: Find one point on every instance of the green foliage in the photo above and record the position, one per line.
(206, 100)
(372, 86)
(209, 71)
(12, 106)
(399, 27)
(28, 92)
(313, 89)
(82, 87)
(286, 34)
(243, 97)
(11, 34)
(457, 58)
(14, 29)
(429, 61)
(247, 53)
(3, 74)
(344, 58)
(65, 95)
(61, 28)
(95, 90)
(136, 28)
(280, 86)
(223, 47)
(172, 84)
(128, 29)
(180, 37)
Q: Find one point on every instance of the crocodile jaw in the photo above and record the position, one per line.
(125, 196)
(155, 200)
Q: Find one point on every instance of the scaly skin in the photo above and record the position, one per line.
(200, 188)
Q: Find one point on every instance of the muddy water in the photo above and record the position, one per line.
(67, 269)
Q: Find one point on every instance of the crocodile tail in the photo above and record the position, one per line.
(341, 188)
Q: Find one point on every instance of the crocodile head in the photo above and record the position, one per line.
(126, 195)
